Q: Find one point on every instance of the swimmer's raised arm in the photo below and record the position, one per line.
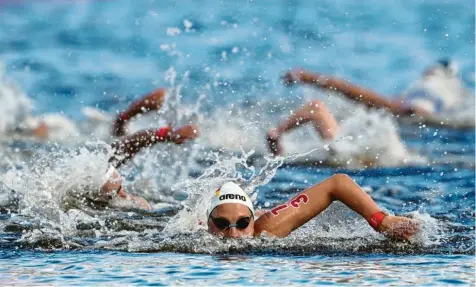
(126, 148)
(285, 218)
(353, 92)
(149, 102)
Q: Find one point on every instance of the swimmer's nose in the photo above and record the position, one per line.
(233, 232)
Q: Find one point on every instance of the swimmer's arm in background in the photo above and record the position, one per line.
(41, 131)
(150, 102)
(285, 218)
(349, 90)
(128, 147)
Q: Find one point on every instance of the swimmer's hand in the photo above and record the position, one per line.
(274, 145)
(41, 131)
(292, 77)
(301, 76)
(399, 227)
(183, 134)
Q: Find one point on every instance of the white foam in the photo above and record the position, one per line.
(45, 186)
(15, 104)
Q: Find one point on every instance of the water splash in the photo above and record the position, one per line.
(16, 105)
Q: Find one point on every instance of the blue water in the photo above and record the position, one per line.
(178, 269)
(66, 55)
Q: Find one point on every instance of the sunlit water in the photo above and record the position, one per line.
(222, 64)
(162, 269)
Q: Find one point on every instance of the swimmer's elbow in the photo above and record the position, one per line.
(341, 177)
(340, 182)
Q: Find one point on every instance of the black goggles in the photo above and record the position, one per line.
(223, 223)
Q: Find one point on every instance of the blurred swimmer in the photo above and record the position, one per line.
(55, 125)
(438, 91)
(124, 149)
(16, 116)
(316, 112)
(129, 146)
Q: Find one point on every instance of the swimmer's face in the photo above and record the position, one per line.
(233, 213)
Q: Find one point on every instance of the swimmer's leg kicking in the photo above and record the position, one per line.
(316, 112)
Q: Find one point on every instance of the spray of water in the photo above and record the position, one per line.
(53, 187)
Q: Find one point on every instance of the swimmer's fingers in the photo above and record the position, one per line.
(274, 145)
(301, 76)
(291, 77)
(41, 131)
(185, 133)
(400, 227)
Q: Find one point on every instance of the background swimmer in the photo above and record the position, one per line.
(20, 120)
(438, 91)
(16, 117)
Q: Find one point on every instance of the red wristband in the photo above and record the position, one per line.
(162, 133)
(376, 218)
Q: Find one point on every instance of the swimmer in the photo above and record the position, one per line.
(16, 118)
(231, 212)
(420, 100)
(129, 146)
(46, 126)
(125, 148)
(438, 91)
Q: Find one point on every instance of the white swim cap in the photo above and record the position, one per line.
(230, 193)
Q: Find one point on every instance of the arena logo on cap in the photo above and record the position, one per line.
(232, 196)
